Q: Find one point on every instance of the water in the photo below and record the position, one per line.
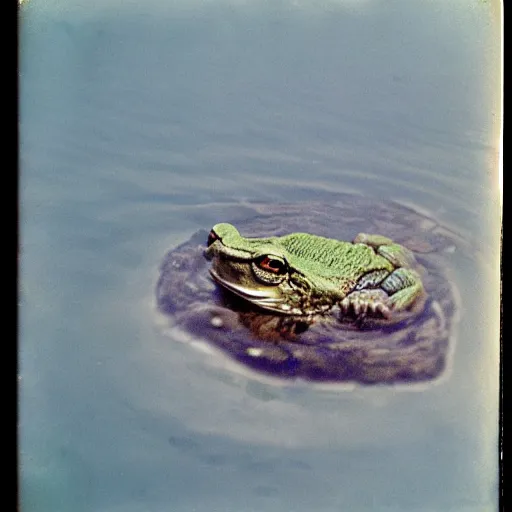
(142, 123)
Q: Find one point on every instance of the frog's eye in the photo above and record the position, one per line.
(271, 264)
(211, 238)
(269, 270)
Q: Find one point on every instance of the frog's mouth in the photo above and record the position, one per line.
(265, 299)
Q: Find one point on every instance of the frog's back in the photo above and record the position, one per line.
(329, 256)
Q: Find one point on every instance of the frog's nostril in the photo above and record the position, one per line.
(212, 237)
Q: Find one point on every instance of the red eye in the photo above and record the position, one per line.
(272, 264)
(211, 238)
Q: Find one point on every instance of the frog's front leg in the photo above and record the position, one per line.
(366, 301)
(403, 285)
(397, 292)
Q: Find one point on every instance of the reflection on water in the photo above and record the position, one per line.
(138, 126)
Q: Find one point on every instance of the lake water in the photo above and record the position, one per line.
(142, 122)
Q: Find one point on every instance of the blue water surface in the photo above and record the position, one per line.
(142, 122)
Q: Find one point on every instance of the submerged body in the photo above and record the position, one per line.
(304, 274)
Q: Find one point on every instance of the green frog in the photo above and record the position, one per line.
(305, 274)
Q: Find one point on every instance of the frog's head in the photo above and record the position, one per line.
(256, 269)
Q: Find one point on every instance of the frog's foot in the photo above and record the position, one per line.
(366, 302)
(404, 287)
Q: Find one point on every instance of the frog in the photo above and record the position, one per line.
(303, 274)
(336, 347)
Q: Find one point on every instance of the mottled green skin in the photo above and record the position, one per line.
(303, 274)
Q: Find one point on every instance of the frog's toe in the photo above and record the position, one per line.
(381, 308)
(354, 305)
(359, 307)
(345, 305)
